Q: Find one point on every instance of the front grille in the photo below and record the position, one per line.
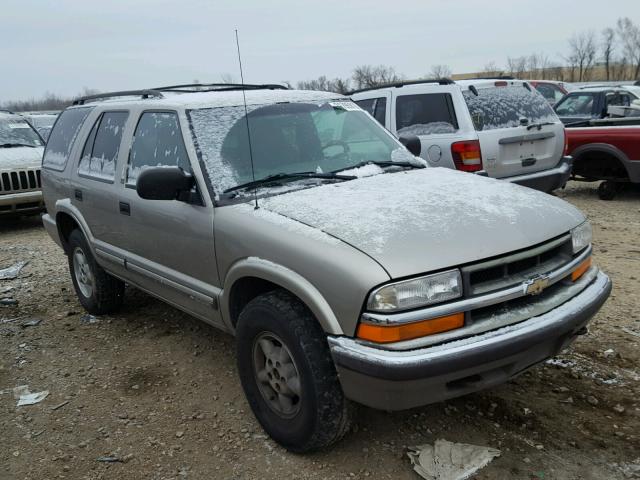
(20, 181)
(514, 269)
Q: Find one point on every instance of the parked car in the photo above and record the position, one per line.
(607, 150)
(20, 156)
(346, 268)
(499, 128)
(552, 91)
(41, 121)
(593, 101)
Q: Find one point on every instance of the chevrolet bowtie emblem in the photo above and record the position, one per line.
(536, 285)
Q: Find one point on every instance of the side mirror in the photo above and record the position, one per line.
(165, 183)
(412, 144)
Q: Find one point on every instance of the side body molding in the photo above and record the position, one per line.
(286, 278)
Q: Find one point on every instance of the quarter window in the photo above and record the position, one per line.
(62, 137)
(426, 114)
(100, 153)
(376, 107)
(157, 142)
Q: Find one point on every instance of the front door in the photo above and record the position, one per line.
(170, 249)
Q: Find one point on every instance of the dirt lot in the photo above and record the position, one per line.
(158, 390)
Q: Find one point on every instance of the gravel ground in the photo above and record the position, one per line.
(158, 391)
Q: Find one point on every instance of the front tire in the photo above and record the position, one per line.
(607, 190)
(288, 375)
(98, 292)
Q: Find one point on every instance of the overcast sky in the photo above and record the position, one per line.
(62, 46)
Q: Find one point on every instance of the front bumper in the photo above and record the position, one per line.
(397, 380)
(546, 180)
(22, 203)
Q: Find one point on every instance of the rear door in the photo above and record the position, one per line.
(518, 131)
(431, 116)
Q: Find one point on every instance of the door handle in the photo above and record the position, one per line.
(125, 208)
(78, 194)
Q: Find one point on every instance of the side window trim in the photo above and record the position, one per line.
(97, 123)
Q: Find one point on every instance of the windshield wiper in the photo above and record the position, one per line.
(386, 163)
(282, 177)
(11, 145)
(539, 125)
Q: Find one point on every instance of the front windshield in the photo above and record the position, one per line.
(17, 132)
(288, 138)
(576, 105)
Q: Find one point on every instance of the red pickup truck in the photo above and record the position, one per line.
(606, 150)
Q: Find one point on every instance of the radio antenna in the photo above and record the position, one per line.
(246, 117)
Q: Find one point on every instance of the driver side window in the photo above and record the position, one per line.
(157, 142)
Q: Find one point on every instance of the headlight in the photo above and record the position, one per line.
(581, 236)
(416, 292)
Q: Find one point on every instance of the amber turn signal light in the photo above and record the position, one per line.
(583, 267)
(408, 331)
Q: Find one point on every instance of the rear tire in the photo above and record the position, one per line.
(288, 375)
(607, 190)
(98, 292)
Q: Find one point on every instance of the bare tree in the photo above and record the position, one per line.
(582, 47)
(367, 76)
(491, 69)
(440, 71)
(338, 85)
(517, 66)
(608, 44)
(555, 72)
(629, 34)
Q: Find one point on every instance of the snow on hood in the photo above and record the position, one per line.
(424, 220)
(20, 157)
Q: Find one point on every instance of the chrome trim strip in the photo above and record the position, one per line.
(169, 283)
(470, 303)
(526, 138)
(109, 256)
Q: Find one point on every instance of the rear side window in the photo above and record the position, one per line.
(376, 107)
(157, 142)
(425, 114)
(100, 153)
(503, 107)
(550, 92)
(576, 105)
(62, 137)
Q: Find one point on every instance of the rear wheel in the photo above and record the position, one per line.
(288, 375)
(607, 190)
(98, 292)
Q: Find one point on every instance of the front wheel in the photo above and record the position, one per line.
(288, 375)
(607, 190)
(98, 292)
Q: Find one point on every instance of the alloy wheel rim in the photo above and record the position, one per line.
(276, 375)
(82, 272)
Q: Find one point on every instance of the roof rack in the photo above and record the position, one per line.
(602, 85)
(5, 110)
(219, 87)
(125, 93)
(439, 81)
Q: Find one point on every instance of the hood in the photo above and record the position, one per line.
(20, 157)
(424, 220)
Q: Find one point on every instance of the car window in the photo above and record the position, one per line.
(425, 114)
(381, 110)
(618, 99)
(576, 105)
(376, 107)
(550, 92)
(157, 142)
(62, 137)
(503, 107)
(367, 105)
(15, 131)
(100, 153)
(287, 138)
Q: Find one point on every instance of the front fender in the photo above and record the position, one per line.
(285, 278)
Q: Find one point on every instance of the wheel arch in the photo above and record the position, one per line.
(67, 219)
(251, 277)
(591, 152)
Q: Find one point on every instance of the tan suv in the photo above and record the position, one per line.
(346, 268)
(21, 150)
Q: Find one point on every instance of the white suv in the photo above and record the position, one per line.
(495, 127)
